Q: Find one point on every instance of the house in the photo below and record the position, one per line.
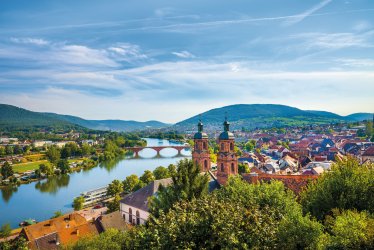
(134, 207)
(326, 165)
(368, 155)
(281, 152)
(63, 230)
(113, 220)
(288, 162)
(271, 167)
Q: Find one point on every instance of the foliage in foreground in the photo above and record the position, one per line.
(348, 186)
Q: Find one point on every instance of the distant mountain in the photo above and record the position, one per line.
(114, 125)
(360, 116)
(14, 117)
(250, 116)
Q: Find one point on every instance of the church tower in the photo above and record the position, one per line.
(227, 162)
(200, 154)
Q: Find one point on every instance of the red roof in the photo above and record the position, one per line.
(369, 151)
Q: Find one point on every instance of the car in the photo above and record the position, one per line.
(98, 206)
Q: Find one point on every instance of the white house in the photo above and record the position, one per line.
(134, 207)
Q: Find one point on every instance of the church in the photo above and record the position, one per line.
(227, 161)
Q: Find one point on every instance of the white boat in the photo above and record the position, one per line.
(94, 196)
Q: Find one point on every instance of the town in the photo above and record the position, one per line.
(293, 155)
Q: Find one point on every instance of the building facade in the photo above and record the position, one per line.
(227, 161)
(200, 154)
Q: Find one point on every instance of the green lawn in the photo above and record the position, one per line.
(23, 167)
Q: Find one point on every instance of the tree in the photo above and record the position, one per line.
(130, 183)
(147, 177)
(46, 169)
(6, 170)
(172, 169)
(57, 214)
(243, 168)
(63, 165)
(348, 186)
(53, 154)
(115, 188)
(369, 129)
(350, 229)
(188, 184)
(114, 205)
(86, 149)
(78, 203)
(5, 230)
(250, 145)
(161, 173)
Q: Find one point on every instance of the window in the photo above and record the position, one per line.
(222, 146)
(130, 215)
(196, 147)
(137, 217)
(124, 217)
(231, 146)
(222, 168)
(204, 145)
(206, 165)
(232, 168)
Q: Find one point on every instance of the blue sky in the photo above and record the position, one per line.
(168, 60)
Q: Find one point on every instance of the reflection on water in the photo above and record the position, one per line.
(40, 200)
(7, 192)
(53, 184)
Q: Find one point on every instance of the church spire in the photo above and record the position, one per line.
(200, 125)
(226, 124)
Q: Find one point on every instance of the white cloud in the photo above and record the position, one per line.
(298, 18)
(29, 40)
(127, 52)
(184, 54)
(362, 26)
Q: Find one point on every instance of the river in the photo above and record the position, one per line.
(39, 200)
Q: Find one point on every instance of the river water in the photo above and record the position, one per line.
(39, 200)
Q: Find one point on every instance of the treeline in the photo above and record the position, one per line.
(334, 212)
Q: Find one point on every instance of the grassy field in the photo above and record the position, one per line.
(23, 167)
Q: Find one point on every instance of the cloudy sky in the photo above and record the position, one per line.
(171, 59)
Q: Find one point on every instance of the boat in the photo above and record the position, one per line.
(27, 222)
(94, 196)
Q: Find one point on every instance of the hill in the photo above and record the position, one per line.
(360, 116)
(114, 125)
(250, 116)
(12, 117)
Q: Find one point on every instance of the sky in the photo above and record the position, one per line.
(168, 60)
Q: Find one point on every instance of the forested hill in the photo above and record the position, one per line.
(12, 117)
(265, 115)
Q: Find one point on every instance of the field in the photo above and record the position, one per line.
(23, 167)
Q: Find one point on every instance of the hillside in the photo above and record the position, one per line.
(360, 116)
(12, 117)
(114, 125)
(251, 116)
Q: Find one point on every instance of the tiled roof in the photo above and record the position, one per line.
(69, 229)
(296, 183)
(113, 220)
(139, 198)
(369, 151)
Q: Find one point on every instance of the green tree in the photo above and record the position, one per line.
(6, 170)
(250, 145)
(243, 168)
(161, 173)
(57, 214)
(348, 186)
(147, 177)
(114, 205)
(130, 183)
(5, 230)
(111, 239)
(115, 188)
(63, 165)
(86, 149)
(188, 184)
(369, 129)
(172, 169)
(46, 169)
(350, 230)
(78, 203)
(53, 154)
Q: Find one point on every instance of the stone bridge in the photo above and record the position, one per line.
(158, 149)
